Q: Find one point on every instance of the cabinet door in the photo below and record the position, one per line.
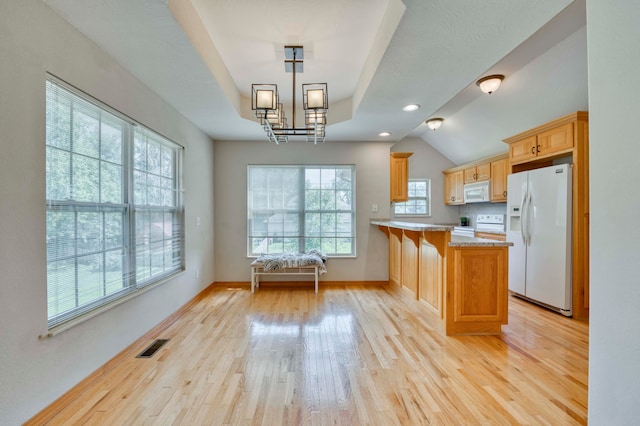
(523, 151)
(479, 296)
(499, 172)
(483, 172)
(458, 187)
(470, 175)
(399, 175)
(454, 188)
(555, 140)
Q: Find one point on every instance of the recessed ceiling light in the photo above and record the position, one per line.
(412, 107)
(384, 134)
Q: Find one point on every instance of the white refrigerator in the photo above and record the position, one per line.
(539, 226)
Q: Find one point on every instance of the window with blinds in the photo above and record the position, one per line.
(298, 208)
(114, 204)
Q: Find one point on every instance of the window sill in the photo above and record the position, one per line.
(53, 331)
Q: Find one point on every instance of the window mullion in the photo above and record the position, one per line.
(302, 211)
(129, 215)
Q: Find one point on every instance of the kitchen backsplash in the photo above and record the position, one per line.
(473, 210)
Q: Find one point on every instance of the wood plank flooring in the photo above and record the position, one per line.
(350, 355)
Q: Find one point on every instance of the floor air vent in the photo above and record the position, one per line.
(153, 348)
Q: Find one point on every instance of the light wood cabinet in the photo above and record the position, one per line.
(463, 287)
(554, 141)
(567, 136)
(454, 188)
(547, 143)
(477, 302)
(478, 173)
(499, 172)
(399, 175)
(524, 150)
(494, 169)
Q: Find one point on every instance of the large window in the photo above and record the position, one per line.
(298, 208)
(419, 202)
(114, 209)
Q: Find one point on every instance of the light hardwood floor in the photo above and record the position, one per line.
(350, 355)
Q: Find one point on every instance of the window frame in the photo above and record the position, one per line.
(427, 198)
(302, 211)
(129, 285)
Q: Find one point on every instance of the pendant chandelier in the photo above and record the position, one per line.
(265, 102)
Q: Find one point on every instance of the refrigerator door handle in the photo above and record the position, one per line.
(522, 218)
(526, 225)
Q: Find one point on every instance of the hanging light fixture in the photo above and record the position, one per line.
(490, 83)
(434, 123)
(265, 102)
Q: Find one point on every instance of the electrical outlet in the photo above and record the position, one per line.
(374, 208)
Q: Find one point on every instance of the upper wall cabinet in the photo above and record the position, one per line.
(499, 172)
(552, 142)
(494, 169)
(399, 174)
(454, 188)
(478, 173)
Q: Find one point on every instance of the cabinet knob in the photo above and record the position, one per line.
(533, 149)
(504, 193)
(453, 198)
(538, 149)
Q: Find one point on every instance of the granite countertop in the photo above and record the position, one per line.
(412, 226)
(461, 241)
(456, 240)
(490, 231)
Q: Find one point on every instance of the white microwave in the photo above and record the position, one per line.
(476, 192)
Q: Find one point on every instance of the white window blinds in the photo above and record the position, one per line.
(103, 240)
(301, 207)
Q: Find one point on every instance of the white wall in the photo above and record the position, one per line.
(614, 342)
(427, 163)
(372, 187)
(33, 40)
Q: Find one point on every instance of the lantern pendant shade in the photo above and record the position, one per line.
(315, 96)
(264, 97)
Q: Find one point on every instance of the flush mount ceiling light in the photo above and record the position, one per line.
(490, 83)
(384, 134)
(265, 103)
(434, 123)
(411, 107)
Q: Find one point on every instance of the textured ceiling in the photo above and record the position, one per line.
(376, 55)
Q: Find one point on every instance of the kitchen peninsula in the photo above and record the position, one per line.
(461, 281)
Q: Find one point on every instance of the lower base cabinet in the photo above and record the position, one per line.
(477, 292)
(463, 287)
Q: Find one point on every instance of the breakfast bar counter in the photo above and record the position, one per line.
(461, 281)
